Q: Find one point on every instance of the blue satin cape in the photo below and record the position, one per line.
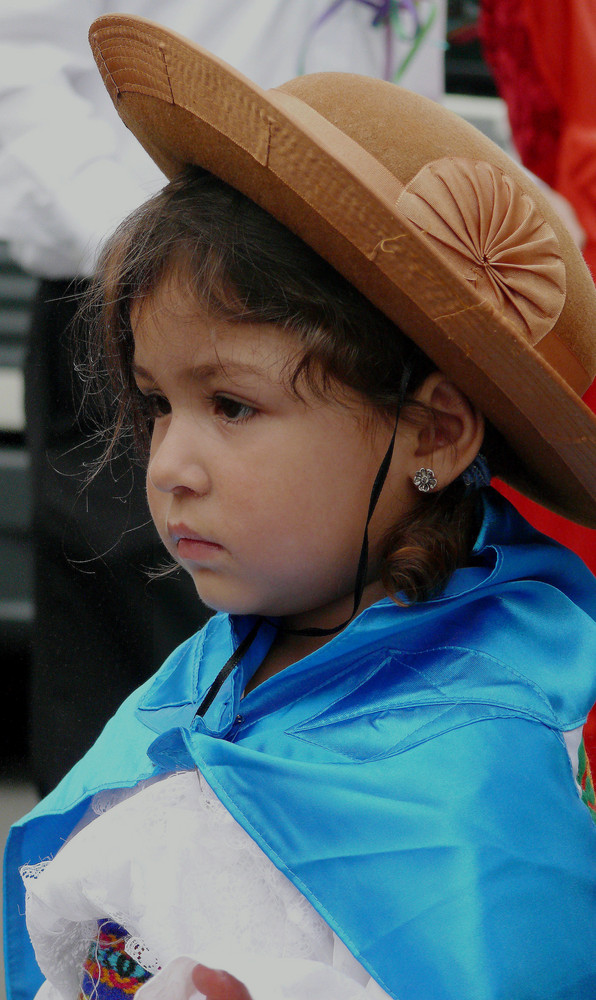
(410, 778)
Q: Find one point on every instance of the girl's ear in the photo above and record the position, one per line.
(452, 434)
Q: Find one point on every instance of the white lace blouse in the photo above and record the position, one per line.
(169, 863)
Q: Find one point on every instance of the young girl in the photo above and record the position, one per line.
(345, 313)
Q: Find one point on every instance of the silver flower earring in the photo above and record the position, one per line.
(425, 480)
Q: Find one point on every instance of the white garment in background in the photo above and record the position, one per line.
(170, 864)
(70, 171)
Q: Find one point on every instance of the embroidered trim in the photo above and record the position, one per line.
(109, 972)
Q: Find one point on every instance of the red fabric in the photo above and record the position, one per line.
(533, 111)
(580, 540)
(543, 58)
(563, 40)
(590, 739)
(574, 536)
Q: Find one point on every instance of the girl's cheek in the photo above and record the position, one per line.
(155, 501)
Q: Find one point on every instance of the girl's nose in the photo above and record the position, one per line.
(175, 461)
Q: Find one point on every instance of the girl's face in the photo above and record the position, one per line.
(261, 496)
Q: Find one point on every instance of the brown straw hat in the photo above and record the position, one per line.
(421, 212)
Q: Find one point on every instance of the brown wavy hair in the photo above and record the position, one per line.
(245, 266)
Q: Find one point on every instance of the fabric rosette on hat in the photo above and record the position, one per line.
(420, 211)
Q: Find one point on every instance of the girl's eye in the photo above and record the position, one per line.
(154, 405)
(232, 409)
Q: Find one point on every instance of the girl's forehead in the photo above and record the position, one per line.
(171, 326)
(170, 305)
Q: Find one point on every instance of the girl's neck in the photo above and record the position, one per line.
(285, 650)
(288, 647)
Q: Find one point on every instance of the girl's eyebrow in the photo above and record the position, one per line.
(209, 370)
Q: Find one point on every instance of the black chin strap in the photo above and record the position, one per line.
(361, 572)
(228, 667)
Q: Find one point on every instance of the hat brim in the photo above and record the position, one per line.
(186, 106)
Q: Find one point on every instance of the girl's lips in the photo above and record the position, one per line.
(190, 544)
(196, 549)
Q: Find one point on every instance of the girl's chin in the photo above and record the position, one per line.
(229, 605)
(220, 595)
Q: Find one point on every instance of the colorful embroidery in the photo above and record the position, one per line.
(586, 782)
(109, 973)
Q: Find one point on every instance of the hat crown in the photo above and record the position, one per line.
(330, 156)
